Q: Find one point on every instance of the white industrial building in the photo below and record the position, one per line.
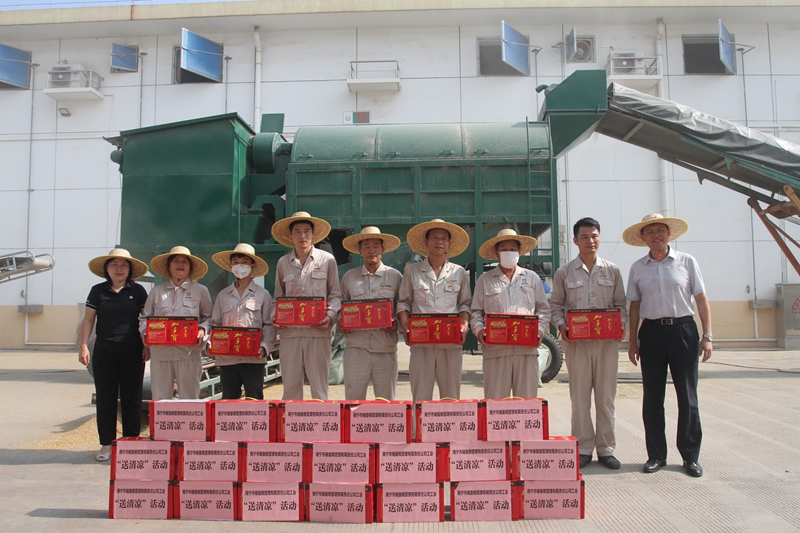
(60, 192)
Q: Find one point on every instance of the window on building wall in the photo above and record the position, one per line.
(490, 59)
(701, 55)
(197, 59)
(15, 68)
(124, 58)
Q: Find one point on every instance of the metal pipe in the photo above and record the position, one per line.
(662, 165)
(257, 81)
(30, 176)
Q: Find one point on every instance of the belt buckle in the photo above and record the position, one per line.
(667, 321)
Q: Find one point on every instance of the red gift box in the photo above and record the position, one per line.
(482, 501)
(512, 330)
(171, 331)
(242, 420)
(435, 328)
(595, 324)
(300, 311)
(309, 421)
(243, 342)
(340, 503)
(409, 502)
(377, 421)
(272, 502)
(552, 499)
(208, 461)
(273, 462)
(552, 459)
(366, 314)
(206, 500)
(447, 421)
(479, 461)
(179, 420)
(138, 499)
(514, 419)
(417, 462)
(340, 462)
(143, 459)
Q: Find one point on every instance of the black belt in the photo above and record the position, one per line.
(670, 321)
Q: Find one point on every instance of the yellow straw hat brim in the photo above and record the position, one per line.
(352, 243)
(138, 268)
(158, 265)
(283, 235)
(223, 259)
(459, 239)
(677, 227)
(526, 244)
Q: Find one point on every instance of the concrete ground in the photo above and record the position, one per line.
(749, 404)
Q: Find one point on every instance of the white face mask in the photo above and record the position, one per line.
(241, 271)
(509, 259)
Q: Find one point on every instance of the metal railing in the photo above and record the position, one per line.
(73, 79)
(374, 69)
(627, 64)
(20, 264)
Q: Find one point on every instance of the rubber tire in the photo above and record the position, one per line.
(556, 358)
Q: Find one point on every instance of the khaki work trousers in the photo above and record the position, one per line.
(185, 372)
(361, 365)
(311, 355)
(517, 373)
(429, 363)
(593, 365)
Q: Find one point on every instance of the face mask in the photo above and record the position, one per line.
(241, 271)
(509, 259)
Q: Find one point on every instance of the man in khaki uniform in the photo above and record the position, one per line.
(180, 295)
(435, 285)
(589, 281)
(306, 271)
(509, 289)
(371, 354)
(243, 304)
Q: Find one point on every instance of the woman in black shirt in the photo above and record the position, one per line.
(119, 355)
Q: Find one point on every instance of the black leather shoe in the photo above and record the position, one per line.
(609, 461)
(653, 465)
(585, 460)
(693, 468)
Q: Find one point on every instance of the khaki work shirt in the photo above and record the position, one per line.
(319, 276)
(422, 292)
(190, 299)
(359, 284)
(523, 294)
(253, 309)
(574, 287)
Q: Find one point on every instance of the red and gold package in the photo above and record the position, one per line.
(595, 324)
(442, 328)
(300, 311)
(513, 330)
(366, 314)
(243, 342)
(171, 331)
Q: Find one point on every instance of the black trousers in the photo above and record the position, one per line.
(232, 377)
(118, 374)
(676, 347)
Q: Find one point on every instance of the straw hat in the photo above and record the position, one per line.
(282, 233)
(677, 227)
(96, 265)
(223, 259)
(459, 240)
(352, 243)
(159, 263)
(526, 244)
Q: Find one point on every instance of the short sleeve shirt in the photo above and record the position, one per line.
(117, 313)
(665, 287)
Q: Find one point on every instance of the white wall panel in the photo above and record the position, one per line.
(15, 108)
(783, 48)
(40, 286)
(72, 277)
(419, 101)
(308, 55)
(787, 100)
(81, 218)
(113, 222)
(240, 100)
(719, 96)
(498, 99)
(306, 103)
(123, 108)
(603, 157)
(14, 171)
(85, 115)
(82, 164)
(189, 101)
(42, 218)
(13, 219)
(421, 52)
(12, 290)
(43, 164)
